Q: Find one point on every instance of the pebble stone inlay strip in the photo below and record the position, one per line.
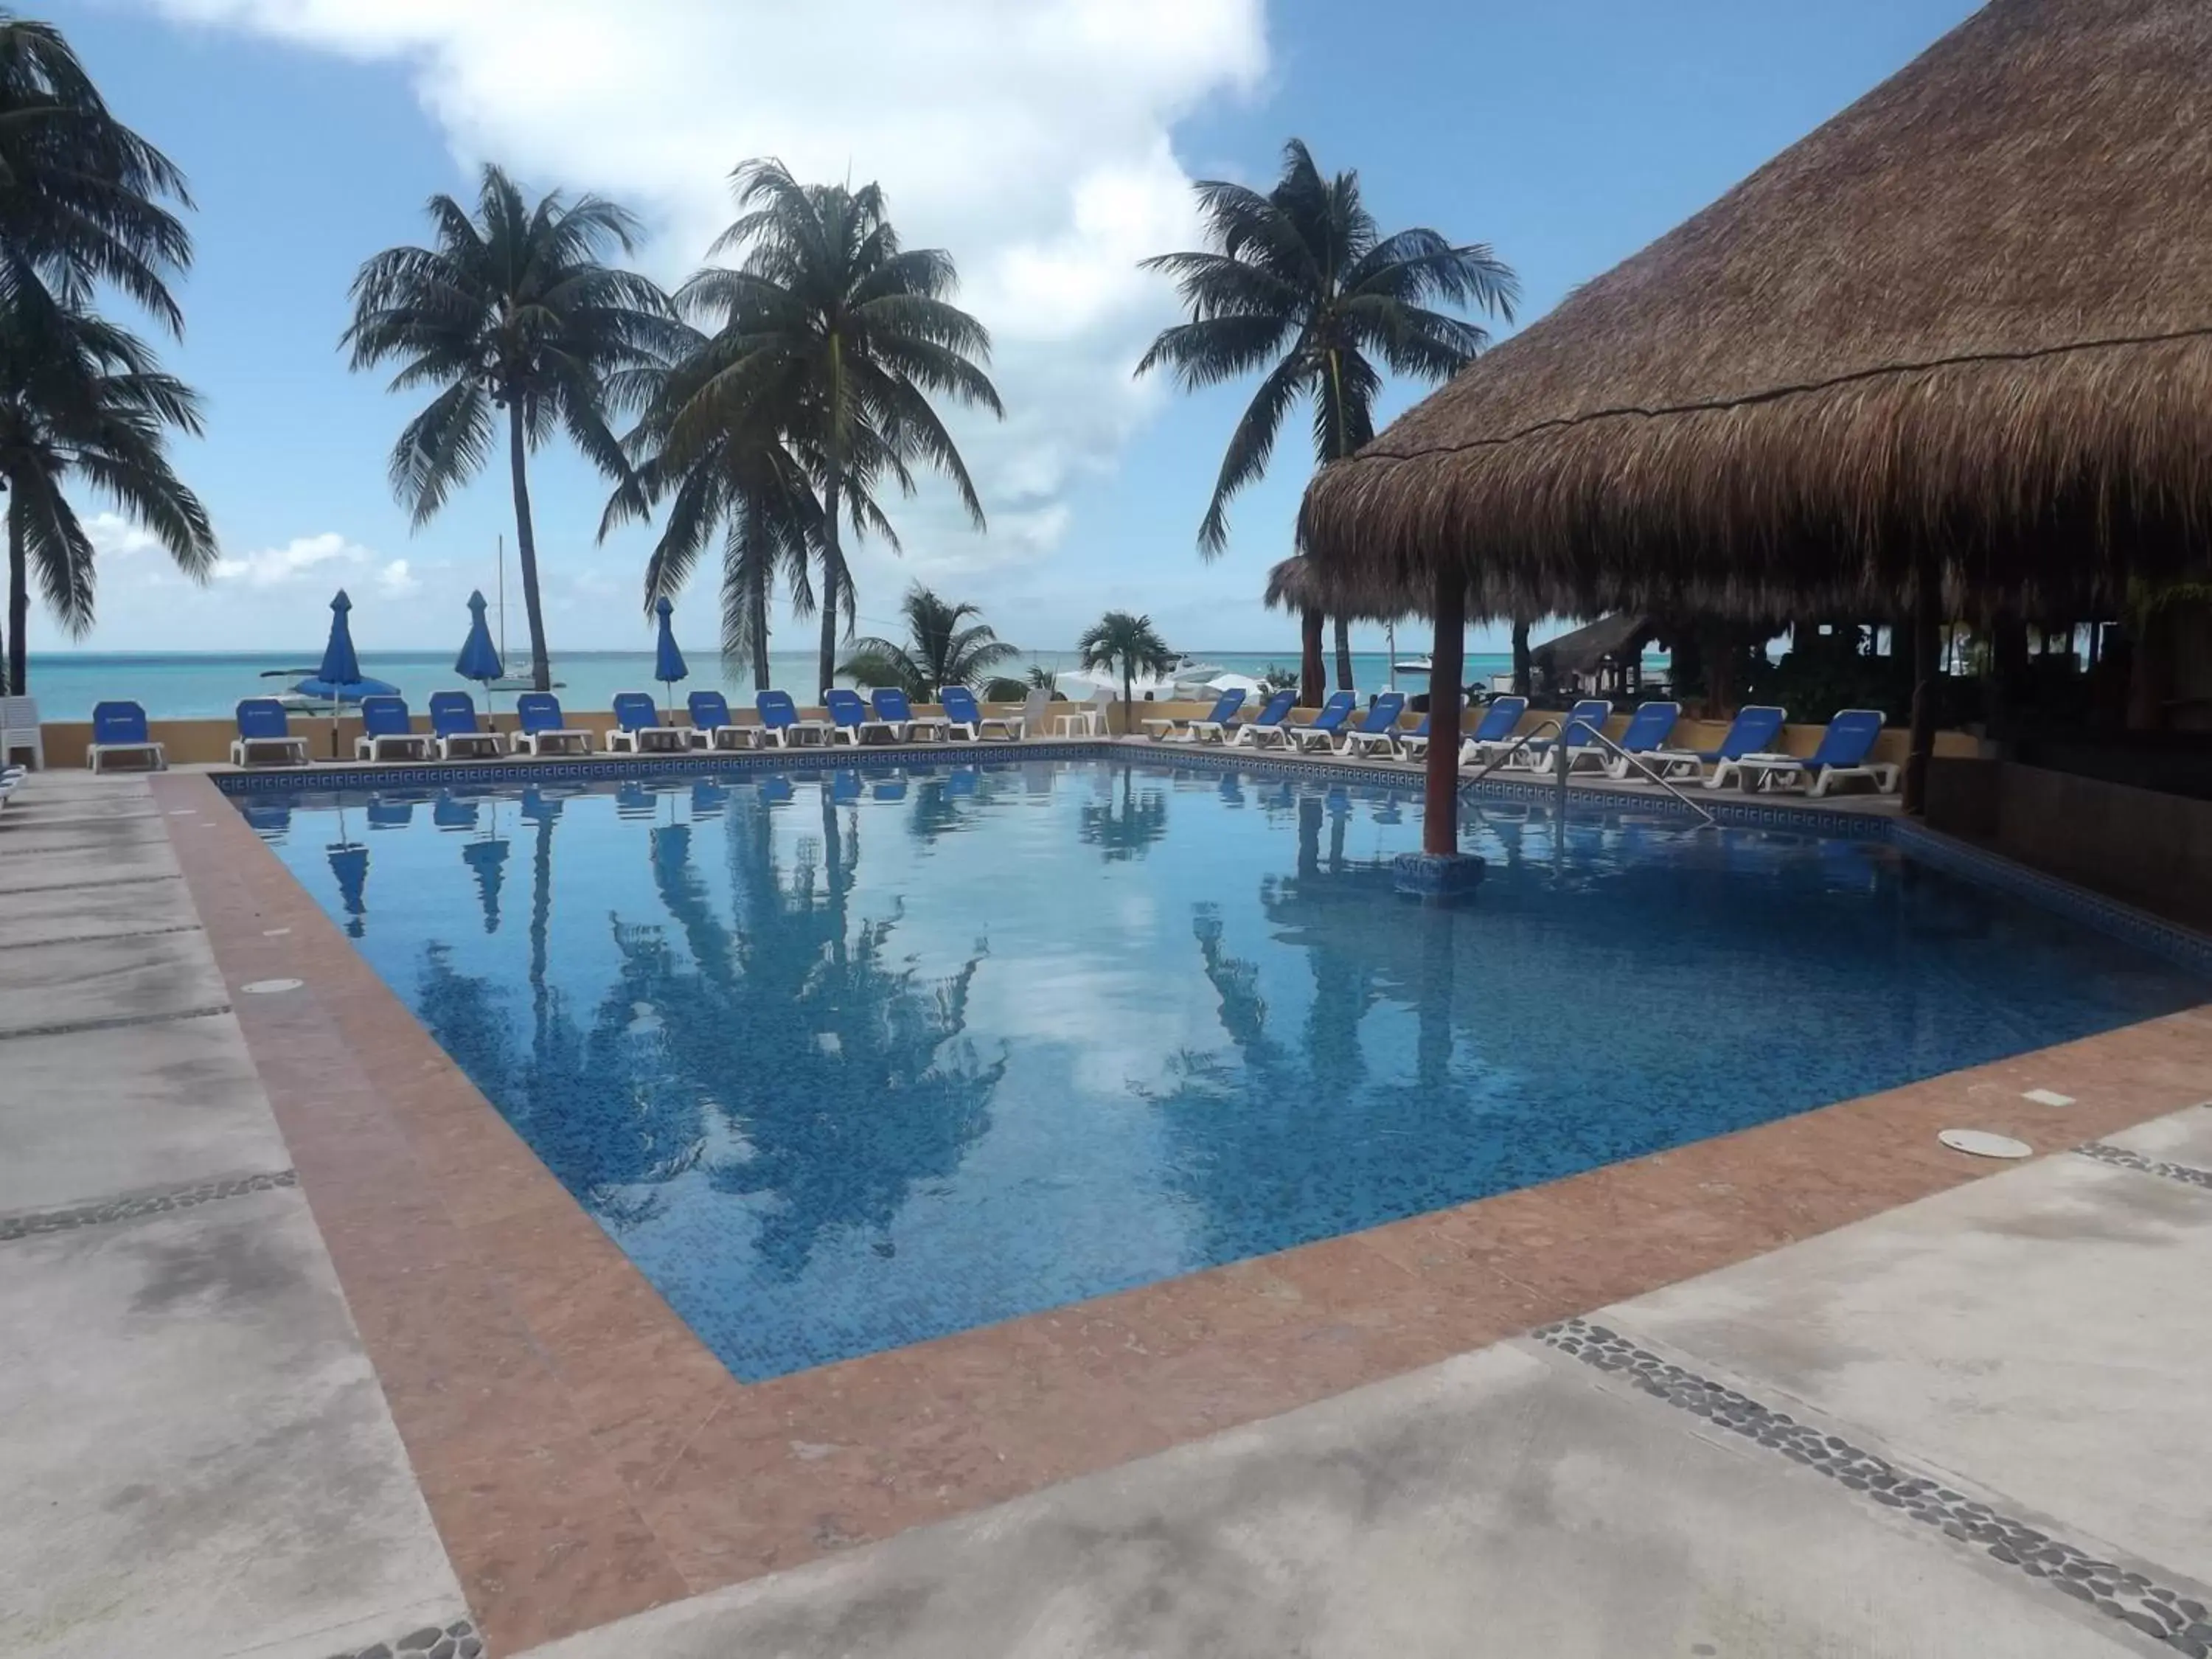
(115, 1025)
(2157, 1610)
(126, 1209)
(458, 1640)
(2103, 1152)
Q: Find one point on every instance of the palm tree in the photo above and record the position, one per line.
(938, 651)
(513, 309)
(80, 193)
(748, 486)
(838, 337)
(1120, 638)
(1300, 282)
(82, 401)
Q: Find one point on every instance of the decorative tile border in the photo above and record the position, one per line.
(458, 1640)
(2122, 1158)
(2157, 1610)
(39, 1222)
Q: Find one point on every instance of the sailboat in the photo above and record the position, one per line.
(523, 681)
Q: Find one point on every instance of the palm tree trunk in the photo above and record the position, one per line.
(760, 636)
(19, 608)
(525, 544)
(1522, 670)
(1343, 653)
(1313, 678)
(831, 559)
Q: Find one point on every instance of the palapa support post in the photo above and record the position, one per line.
(1447, 664)
(1927, 654)
(1440, 872)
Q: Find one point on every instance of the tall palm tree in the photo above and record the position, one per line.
(749, 487)
(938, 651)
(81, 194)
(1302, 284)
(1123, 640)
(840, 336)
(83, 401)
(512, 309)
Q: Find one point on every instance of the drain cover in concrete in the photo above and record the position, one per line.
(262, 987)
(1978, 1142)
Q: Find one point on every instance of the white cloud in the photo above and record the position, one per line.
(115, 539)
(395, 581)
(273, 567)
(1032, 137)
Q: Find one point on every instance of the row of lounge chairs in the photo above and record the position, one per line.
(1746, 755)
(388, 733)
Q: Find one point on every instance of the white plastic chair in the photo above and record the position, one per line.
(19, 730)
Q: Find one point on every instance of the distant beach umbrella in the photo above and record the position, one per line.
(668, 665)
(341, 666)
(479, 658)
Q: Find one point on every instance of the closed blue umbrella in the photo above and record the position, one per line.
(339, 678)
(667, 661)
(479, 658)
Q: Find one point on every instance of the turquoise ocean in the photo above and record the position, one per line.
(195, 685)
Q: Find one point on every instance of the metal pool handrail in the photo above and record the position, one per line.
(1552, 724)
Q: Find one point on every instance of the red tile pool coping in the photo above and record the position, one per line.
(585, 1457)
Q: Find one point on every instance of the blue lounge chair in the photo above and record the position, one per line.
(895, 712)
(1216, 721)
(119, 729)
(1493, 732)
(1843, 754)
(1267, 726)
(264, 736)
(1574, 731)
(962, 713)
(542, 729)
(637, 728)
(1647, 733)
(1753, 731)
(1327, 725)
(1414, 745)
(781, 726)
(453, 726)
(388, 732)
(849, 716)
(713, 728)
(1378, 729)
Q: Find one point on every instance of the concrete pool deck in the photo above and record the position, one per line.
(584, 1459)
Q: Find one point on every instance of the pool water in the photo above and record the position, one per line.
(847, 1058)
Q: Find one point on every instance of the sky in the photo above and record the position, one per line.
(1048, 144)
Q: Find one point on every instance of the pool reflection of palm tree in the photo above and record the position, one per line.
(1126, 828)
(790, 1055)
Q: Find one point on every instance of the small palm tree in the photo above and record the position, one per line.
(838, 337)
(1301, 283)
(1128, 641)
(512, 309)
(81, 194)
(938, 651)
(81, 401)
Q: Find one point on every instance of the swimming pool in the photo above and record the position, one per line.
(846, 1059)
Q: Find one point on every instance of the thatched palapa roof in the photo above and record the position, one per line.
(1295, 585)
(1970, 316)
(1620, 636)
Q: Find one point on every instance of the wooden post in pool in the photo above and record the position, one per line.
(1447, 664)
